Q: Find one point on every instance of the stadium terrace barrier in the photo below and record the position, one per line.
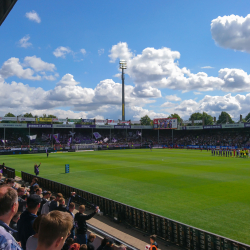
(171, 231)
(9, 172)
(103, 234)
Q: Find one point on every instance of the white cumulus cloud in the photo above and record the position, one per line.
(173, 98)
(33, 16)
(32, 68)
(232, 32)
(61, 51)
(38, 64)
(24, 42)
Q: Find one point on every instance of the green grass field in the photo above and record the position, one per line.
(193, 187)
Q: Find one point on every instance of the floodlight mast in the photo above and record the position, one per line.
(123, 65)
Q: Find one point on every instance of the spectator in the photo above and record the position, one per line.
(13, 223)
(24, 225)
(45, 209)
(68, 243)
(83, 247)
(11, 183)
(54, 204)
(122, 247)
(71, 210)
(33, 184)
(153, 242)
(33, 240)
(75, 246)
(21, 201)
(46, 196)
(72, 195)
(8, 208)
(81, 225)
(1, 180)
(90, 241)
(39, 191)
(62, 206)
(103, 243)
(109, 245)
(53, 231)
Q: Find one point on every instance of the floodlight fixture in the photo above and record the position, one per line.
(123, 65)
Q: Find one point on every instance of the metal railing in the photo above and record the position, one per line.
(167, 229)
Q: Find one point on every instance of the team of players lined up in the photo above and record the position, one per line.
(239, 153)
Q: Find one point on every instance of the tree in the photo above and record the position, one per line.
(29, 115)
(9, 115)
(223, 118)
(247, 117)
(179, 120)
(208, 119)
(145, 120)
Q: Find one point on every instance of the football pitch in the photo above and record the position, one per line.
(193, 187)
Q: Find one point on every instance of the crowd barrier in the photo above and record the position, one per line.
(9, 172)
(171, 231)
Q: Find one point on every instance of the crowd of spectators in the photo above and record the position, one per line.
(31, 218)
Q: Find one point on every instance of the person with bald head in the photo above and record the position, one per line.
(8, 208)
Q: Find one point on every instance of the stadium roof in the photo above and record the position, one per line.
(5, 8)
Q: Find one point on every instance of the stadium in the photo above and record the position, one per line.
(179, 181)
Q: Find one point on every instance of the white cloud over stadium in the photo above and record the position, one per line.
(150, 71)
(232, 32)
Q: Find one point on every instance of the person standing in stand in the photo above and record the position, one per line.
(81, 225)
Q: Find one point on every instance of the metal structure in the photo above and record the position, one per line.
(123, 65)
(5, 8)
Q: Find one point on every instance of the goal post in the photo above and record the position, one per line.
(83, 147)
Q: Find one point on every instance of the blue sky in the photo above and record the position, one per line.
(62, 59)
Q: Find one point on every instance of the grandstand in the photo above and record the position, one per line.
(19, 138)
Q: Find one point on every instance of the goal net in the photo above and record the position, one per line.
(81, 147)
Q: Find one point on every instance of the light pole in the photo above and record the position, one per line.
(123, 65)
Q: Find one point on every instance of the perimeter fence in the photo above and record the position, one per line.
(171, 231)
(8, 172)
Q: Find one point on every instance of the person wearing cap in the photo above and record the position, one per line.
(153, 242)
(24, 225)
(8, 208)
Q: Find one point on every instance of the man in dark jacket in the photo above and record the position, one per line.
(24, 225)
(81, 225)
(61, 206)
(54, 204)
